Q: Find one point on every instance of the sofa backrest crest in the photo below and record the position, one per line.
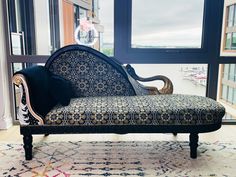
(90, 72)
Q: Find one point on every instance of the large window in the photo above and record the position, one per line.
(167, 24)
(41, 27)
(179, 39)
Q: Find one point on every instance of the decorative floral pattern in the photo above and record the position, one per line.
(138, 110)
(90, 75)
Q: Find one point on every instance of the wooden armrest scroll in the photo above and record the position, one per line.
(166, 89)
(18, 80)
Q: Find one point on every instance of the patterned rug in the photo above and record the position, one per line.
(122, 158)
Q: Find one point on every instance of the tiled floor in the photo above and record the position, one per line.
(226, 133)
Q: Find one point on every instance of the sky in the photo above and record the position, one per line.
(159, 22)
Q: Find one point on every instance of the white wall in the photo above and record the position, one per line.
(42, 27)
(5, 113)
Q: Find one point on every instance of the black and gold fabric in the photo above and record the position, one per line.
(138, 110)
(91, 75)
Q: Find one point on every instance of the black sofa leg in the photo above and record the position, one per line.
(47, 134)
(175, 134)
(27, 139)
(193, 137)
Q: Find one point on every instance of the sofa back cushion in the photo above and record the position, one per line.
(90, 72)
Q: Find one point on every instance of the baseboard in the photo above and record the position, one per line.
(5, 122)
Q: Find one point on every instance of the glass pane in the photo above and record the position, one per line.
(234, 99)
(232, 72)
(17, 43)
(42, 27)
(228, 41)
(16, 67)
(234, 41)
(226, 71)
(224, 92)
(231, 15)
(164, 24)
(230, 95)
(186, 78)
(234, 15)
(106, 16)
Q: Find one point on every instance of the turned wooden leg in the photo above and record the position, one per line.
(175, 134)
(193, 145)
(27, 139)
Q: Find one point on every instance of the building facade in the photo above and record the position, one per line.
(75, 10)
(227, 79)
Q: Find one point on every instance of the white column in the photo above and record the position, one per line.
(5, 112)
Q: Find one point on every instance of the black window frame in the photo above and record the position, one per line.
(211, 33)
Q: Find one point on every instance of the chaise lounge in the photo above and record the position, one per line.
(80, 90)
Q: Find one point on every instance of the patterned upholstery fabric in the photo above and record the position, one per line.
(91, 75)
(138, 110)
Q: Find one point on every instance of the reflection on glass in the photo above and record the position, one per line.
(82, 13)
(186, 78)
(167, 24)
(228, 41)
(17, 43)
(231, 15)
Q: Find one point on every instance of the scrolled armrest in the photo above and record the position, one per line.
(27, 115)
(166, 89)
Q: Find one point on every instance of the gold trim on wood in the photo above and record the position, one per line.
(166, 89)
(19, 79)
(168, 86)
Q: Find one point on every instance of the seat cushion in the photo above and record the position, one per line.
(138, 110)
